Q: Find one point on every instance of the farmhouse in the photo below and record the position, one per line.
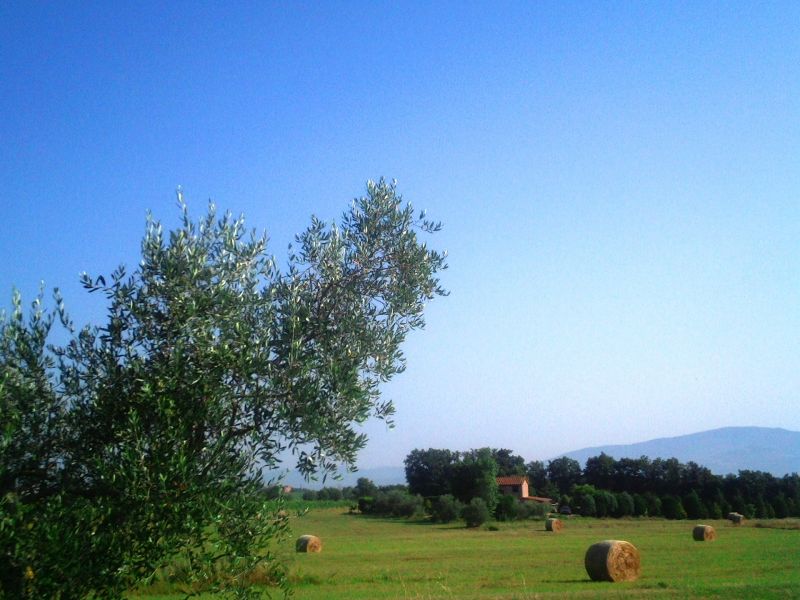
(517, 485)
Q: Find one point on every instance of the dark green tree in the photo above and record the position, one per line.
(654, 505)
(630, 474)
(599, 471)
(639, 506)
(508, 463)
(429, 472)
(694, 507)
(564, 472)
(537, 476)
(476, 477)
(672, 508)
(779, 506)
(365, 488)
(144, 438)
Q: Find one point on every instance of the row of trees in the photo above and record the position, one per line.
(686, 488)
(614, 487)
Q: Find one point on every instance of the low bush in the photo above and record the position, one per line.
(365, 504)
(329, 493)
(395, 503)
(507, 509)
(533, 510)
(445, 509)
(476, 513)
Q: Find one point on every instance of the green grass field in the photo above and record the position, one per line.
(366, 558)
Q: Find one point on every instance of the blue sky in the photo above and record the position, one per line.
(618, 184)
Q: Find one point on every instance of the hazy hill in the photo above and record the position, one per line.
(378, 475)
(723, 451)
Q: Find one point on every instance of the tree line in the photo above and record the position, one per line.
(608, 487)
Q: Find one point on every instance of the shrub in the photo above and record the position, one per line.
(365, 504)
(625, 506)
(532, 510)
(445, 509)
(395, 503)
(605, 503)
(329, 493)
(406, 505)
(476, 513)
(507, 509)
(586, 505)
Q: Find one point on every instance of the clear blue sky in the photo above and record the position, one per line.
(619, 185)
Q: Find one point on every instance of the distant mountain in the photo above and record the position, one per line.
(378, 475)
(723, 451)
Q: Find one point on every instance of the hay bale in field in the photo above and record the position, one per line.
(704, 533)
(735, 518)
(554, 525)
(612, 560)
(308, 543)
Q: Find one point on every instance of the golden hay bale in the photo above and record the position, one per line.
(308, 543)
(735, 518)
(704, 533)
(612, 560)
(554, 525)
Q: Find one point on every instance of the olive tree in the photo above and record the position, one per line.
(142, 440)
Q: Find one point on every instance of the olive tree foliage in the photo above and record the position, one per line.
(144, 439)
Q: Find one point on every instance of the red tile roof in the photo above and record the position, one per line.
(538, 499)
(512, 480)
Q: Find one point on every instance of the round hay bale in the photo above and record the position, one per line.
(736, 518)
(554, 525)
(308, 543)
(612, 560)
(704, 533)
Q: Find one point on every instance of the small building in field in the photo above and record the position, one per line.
(513, 485)
(517, 486)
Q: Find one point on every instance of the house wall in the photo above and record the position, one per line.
(520, 491)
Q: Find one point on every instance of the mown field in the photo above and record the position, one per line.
(367, 558)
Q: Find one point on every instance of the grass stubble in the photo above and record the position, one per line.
(367, 558)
